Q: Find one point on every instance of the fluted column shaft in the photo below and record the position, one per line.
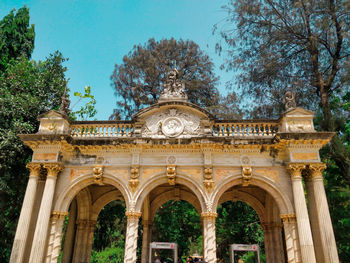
(329, 246)
(21, 236)
(209, 236)
(41, 229)
(131, 236)
(303, 222)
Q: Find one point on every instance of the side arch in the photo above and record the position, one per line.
(158, 180)
(66, 196)
(284, 204)
(102, 201)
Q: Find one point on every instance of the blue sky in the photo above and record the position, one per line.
(96, 34)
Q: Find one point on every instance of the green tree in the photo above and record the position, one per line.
(16, 36)
(138, 79)
(237, 223)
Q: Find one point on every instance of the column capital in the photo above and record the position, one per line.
(209, 215)
(270, 226)
(133, 215)
(288, 218)
(34, 169)
(58, 214)
(53, 169)
(316, 169)
(295, 169)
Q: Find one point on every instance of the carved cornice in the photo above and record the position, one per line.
(288, 218)
(133, 215)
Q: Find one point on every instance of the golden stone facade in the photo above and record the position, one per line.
(174, 150)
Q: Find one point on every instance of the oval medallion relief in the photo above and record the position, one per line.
(172, 127)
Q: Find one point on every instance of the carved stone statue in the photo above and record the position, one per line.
(65, 102)
(289, 100)
(174, 89)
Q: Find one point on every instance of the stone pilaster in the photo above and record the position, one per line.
(83, 240)
(273, 242)
(21, 236)
(146, 238)
(209, 236)
(41, 229)
(303, 222)
(56, 246)
(291, 238)
(329, 246)
(131, 236)
(90, 239)
(67, 253)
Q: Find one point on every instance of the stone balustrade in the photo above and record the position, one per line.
(102, 129)
(219, 129)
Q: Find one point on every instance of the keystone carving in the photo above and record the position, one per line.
(246, 175)
(208, 179)
(134, 178)
(98, 173)
(171, 174)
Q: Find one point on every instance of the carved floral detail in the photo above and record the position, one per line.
(288, 218)
(316, 169)
(295, 169)
(246, 175)
(171, 174)
(208, 179)
(53, 169)
(134, 178)
(34, 169)
(98, 174)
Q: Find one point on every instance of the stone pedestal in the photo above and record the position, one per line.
(131, 236)
(304, 229)
(209, 236)
(21, 236)
(324, 221)
(41, 230)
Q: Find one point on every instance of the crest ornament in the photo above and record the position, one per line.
(174, 89)
(289, 100)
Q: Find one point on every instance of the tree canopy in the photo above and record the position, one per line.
(16, 36)
(138, 79)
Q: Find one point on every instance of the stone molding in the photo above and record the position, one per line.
(209, 215)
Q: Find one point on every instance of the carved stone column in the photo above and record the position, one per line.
(303, 222)
(41, 230)
(329, 246)
(209, 236)
(131, 236)
(21, 236)
(56, 245)
(291, 238)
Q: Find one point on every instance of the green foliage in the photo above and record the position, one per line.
(138, 79)
(237, 223)
(179, 222)
(87, 110)
(109, 236)
(16, 37)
